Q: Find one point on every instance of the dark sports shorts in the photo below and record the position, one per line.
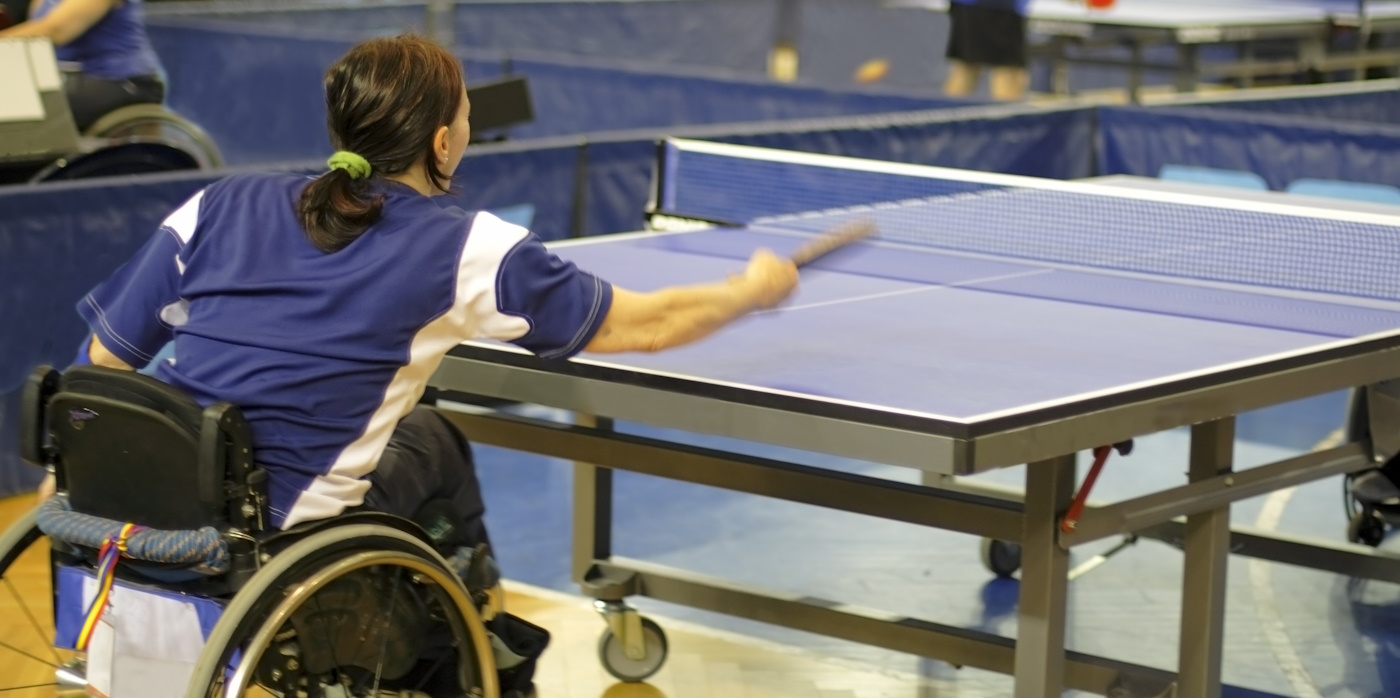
(980, 35)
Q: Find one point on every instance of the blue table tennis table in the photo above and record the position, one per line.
(1176, 36)
(994, 322)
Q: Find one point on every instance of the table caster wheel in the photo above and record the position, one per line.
(642, 663)
(1000, 557)
(1367, 528)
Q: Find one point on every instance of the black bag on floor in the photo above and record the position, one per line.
(518, 645)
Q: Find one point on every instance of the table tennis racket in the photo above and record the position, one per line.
(832, 240)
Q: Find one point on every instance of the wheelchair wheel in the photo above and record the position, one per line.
(130, 157)
(1366, 527)
(157, 122)
(26, 616)
(355, 610)
(1000, 557)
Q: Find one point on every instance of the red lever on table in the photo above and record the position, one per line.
(1076, 508)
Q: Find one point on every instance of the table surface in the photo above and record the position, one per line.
(1177, 14)
(998, 297)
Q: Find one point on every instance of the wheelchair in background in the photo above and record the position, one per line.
(132, 140)
(40, 142)
(135, 139)
(364, 604)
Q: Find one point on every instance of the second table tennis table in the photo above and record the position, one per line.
(995, 322)
(1074, 33)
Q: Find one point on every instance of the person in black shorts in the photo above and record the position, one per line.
(987, 33)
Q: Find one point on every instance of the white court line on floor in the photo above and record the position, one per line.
(1261, 583)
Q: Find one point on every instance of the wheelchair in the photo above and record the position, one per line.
(132, 140)
(135, 139)
(364, 604)
(1373, 418)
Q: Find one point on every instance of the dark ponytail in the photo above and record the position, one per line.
(336, 209)
(385, 101)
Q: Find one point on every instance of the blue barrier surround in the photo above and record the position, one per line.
(832, 37)
(63, 238)
(258, 91)
(597, 183)
(56, 242)
(1014, 139)
(1281, 149)
(1369, 101)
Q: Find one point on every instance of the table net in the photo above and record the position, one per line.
(1044, 221)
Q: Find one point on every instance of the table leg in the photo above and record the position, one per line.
(439, 22)
(1247, 59)
(1188, 71)
(1040, 634)
(1207, 548)
(1135, 67)
(1059, 68)
(592, 530)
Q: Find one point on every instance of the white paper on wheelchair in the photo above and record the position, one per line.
(146, 643)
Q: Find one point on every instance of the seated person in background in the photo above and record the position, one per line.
(113, 64)
(987, 33)
(320, 306)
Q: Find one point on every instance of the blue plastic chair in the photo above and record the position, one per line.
(1212, 176)
(1338, 189)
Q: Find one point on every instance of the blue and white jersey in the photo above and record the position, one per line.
(325, 353)
(115, 48)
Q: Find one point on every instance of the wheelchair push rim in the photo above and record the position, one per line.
(262, 609)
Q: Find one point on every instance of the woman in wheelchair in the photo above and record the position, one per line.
(105, 40)
(319, 307)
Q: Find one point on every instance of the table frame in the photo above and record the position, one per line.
(1194, 516)
(1064, 35)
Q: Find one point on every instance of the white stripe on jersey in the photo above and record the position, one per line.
(475, 313)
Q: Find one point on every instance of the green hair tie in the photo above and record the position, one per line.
(356, 166)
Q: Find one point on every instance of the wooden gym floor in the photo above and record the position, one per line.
(702, 662)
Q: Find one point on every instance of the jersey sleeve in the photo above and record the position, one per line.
(134, 312)
(536, 300)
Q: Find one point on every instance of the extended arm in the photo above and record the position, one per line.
(68, 21)
(679, 315)
(550, 307)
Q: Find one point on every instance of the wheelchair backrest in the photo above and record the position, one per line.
(128, 447)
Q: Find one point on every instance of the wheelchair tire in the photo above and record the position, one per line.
(16, 539)
(1366, 527)
(155, 121)
(1000, 557)
(34, 649)
(119, 159)
(267, 603)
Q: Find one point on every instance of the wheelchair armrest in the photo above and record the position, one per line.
(226, 452)
(40, 386)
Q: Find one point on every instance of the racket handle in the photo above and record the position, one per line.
(837, 238)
